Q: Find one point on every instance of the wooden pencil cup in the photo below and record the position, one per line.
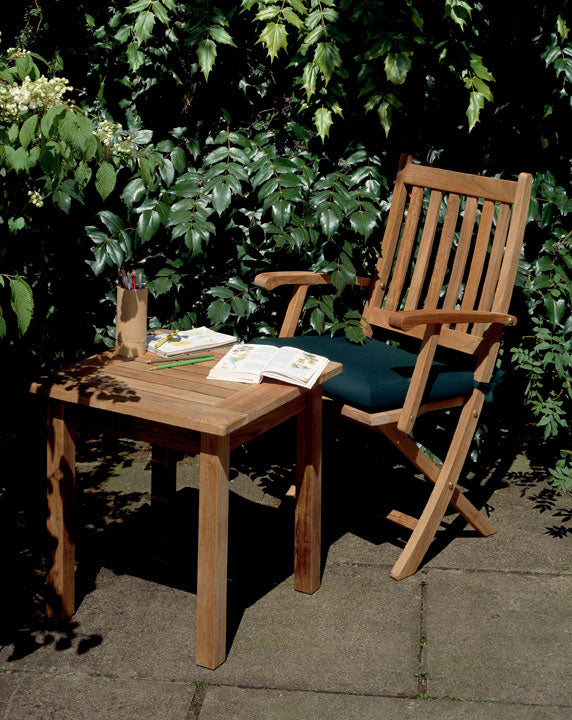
(131, 322)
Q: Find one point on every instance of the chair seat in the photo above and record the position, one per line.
(376, 376)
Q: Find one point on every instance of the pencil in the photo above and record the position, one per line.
(183, 362)
(168, 337)
(176, 358)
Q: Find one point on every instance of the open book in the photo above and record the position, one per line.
(250, 363)
(187, 341)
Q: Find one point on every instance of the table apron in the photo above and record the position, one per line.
(172, 436)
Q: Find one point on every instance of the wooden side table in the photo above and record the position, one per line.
(179, 409)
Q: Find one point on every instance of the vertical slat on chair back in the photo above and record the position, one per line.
(452, 240)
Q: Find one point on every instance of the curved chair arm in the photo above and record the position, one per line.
(271, 280)
(301, 280)
(433, 321)
(407, 319)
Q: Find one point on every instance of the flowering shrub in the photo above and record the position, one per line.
(49, 148)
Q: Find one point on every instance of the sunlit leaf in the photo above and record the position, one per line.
(144, 26)
(206, 52)
(327, 57)
(323, 121)
(275, 37)
(22, 302)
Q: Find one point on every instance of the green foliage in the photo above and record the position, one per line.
(545, 355)
(241, 197)
(257, 136)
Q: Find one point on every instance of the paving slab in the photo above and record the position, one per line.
(78, 697)
(126, 627)
(358, 633)
(10, 682)
(525, 540)
(494, 610)
(499, 636)
(232, 703)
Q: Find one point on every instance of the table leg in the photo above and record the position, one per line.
(61, 509)
(213, 545)
(308, 494)
(163, 489)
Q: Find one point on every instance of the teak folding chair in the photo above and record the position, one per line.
(445, 276)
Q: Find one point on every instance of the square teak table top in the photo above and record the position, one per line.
(179, 409)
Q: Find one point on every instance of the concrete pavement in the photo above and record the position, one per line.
(482, 631)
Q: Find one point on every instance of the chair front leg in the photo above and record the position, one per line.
(442, 493)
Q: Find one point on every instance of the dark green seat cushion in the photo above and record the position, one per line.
(376, 376)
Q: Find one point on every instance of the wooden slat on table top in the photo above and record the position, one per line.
(178, 396)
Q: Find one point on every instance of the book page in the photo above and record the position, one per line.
(298, 366)
(184, 341)
(243, 363)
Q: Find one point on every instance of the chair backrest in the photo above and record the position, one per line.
(452, 240)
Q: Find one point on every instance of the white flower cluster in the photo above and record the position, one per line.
(14, 53)
(112, 136)
(35, 198)
(37, 94)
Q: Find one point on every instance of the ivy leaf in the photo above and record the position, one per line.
(105, 180)
(327, 57)
(219, 34)
(161, 12)
(323, 121)
(144, 26)
(22, 302)
(309, 79)
(275, 37)
(27, 130)
(476, 104)
(267, 13)
(479, 69)
(218, 311)
(354, 333)
(384, 113)
(239, 305)
(292, 18)
(206, 52)
(483, 88)
(135, 57)
(397, 65)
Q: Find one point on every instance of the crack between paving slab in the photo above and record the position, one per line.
(442, 568)
(422, 673)
(197, 701)
(395, 696)
(313, 691)
(517, 573)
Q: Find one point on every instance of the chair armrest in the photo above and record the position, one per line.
(407, 319)
(271, 280)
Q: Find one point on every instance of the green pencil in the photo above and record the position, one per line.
(182, 362)
(176, 358)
